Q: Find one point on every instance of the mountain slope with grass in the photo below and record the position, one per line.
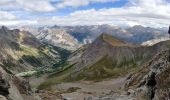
(20, 51)
(23, 55)
(106, 57)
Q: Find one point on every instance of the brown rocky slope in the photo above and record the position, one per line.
(106, 57)
(108, 54)
(151, 81)
(14, 88)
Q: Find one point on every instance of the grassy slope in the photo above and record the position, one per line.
(104, 68)
(57, 77)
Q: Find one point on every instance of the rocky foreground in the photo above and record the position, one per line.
(151, 81)
(14, 88)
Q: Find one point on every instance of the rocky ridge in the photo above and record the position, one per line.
(151, 81)
(14, 88)
(107, 49)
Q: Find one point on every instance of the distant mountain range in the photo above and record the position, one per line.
(71, 37)
(55, 36)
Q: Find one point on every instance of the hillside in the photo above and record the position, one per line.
(21, 51)
(151, 81)
(23, 55)
(106, 57)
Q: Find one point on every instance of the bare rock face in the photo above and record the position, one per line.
(8, 89)
(58, 37)
(22, 85)
(151, 82)
(4, 85)
(13, 88)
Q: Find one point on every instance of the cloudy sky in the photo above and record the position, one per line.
(155, 13)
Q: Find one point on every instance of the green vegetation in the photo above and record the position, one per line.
(104, 68)
(27, 74)
(59, 76)
(31, 60)
(64, 54)
(40, 59)
(29, 51)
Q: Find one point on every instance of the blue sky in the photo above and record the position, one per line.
(153, 13)
(96, 6)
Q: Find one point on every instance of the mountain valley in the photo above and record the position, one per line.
(52, 64)
(84, 50)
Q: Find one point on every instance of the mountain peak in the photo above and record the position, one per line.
(4, 28)
(112, 40)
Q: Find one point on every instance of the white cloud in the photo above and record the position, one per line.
(45, 5)
(78, 3)
(29, 5)
(6, 16)
(36, 5)
(18, 22)
(154, 13)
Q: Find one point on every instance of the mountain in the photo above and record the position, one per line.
(22, 54)
(135, 35)
(108, 53)
(151, 81)
(91, 32)
(86, 34)
(154, 41)
(106, 57)
(21, 51)
(141, 34)
(55, 36)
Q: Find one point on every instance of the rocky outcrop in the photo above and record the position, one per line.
(151, 81)
(8, 89)
(14, 88)
(4, 85)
